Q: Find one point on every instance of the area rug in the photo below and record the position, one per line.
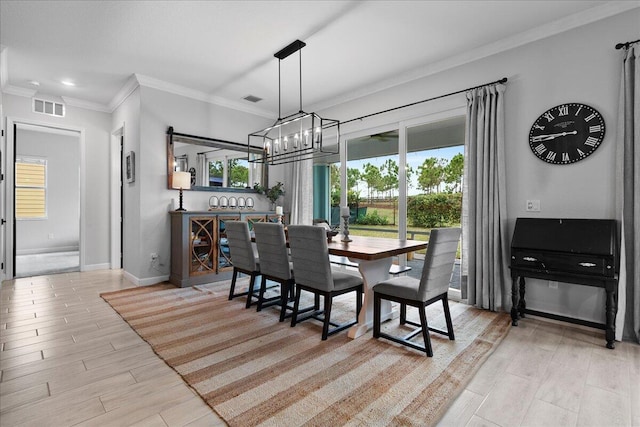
(253, 370)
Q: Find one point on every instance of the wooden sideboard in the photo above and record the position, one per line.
(199, 249)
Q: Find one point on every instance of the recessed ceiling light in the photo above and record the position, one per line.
(68, 83)
(34, 83)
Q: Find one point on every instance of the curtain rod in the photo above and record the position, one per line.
(626, 45)
(502, 80)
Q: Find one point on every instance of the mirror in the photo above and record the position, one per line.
(214, 164)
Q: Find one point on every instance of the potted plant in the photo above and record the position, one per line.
(273, 193)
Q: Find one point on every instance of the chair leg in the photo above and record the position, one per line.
(233, 284)
(403, 313)
(263, 286)
(252, 283)
(296, 305)
(425, 331)
(327, 316)
(285, 291)
(447, 316)
(376, 315)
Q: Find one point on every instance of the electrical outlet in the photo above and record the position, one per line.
(553, 284)
(533, 206)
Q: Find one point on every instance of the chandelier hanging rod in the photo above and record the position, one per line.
(283, 53)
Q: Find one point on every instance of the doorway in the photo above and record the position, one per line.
(46, 196)
(117, 198)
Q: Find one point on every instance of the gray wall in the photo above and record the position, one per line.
(60, 231)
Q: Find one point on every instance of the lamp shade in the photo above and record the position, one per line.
(181, 180)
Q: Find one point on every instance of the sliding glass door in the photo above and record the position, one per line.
(399, 181)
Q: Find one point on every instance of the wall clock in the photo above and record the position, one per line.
(566, 133)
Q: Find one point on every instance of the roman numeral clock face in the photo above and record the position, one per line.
(566, 133)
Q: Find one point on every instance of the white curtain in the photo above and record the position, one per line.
(484, 208)
(628, 196)
(202, 171)
(298, 188)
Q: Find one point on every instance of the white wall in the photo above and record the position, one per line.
(580, 65)
(97, 127)
(60, 230)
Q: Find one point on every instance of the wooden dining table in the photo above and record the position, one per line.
(374, 256)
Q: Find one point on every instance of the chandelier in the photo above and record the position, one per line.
(299, 136)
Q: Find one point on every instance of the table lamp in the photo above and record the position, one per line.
(182, 181)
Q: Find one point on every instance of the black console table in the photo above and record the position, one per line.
(580, 251)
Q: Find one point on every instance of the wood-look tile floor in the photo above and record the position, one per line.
(67, 359)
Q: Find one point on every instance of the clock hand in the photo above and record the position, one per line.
(552, 136)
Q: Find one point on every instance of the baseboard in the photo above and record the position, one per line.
(146, 281)
(93, 267)
(47, 250)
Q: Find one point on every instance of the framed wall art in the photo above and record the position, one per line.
(130, 165)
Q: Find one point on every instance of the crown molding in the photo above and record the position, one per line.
(87, 105)
(127, 89)
(18, 91)
(538, 33)
(4, 68)
(199, 95)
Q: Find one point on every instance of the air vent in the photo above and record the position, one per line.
(252, 98)
(48, 107)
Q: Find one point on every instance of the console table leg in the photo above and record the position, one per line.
(522, 305)
(611, 309)
(514, 301)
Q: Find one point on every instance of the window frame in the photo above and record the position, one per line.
(44, 187)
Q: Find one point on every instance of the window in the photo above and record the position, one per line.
(31, 188)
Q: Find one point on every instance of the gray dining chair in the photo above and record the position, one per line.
(432, 287)
(313, 273)
(274, 265)
(243, 257)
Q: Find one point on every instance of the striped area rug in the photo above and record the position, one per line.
(253, 370)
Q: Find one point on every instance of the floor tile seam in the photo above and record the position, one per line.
(559, 407)
(5, 359)
(39, 342)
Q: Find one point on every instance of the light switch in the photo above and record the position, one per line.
(533, 206)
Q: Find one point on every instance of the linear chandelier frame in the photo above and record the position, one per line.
(299, 136)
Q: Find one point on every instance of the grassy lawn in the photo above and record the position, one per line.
(389, 230)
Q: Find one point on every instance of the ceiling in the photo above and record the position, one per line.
(222, 51)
